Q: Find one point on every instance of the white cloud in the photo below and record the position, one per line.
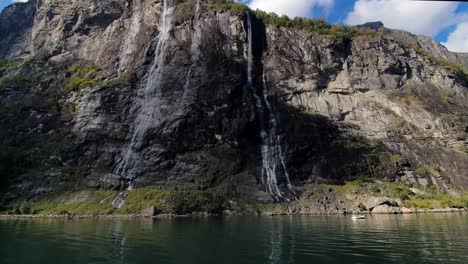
(419, 17)
(20, 1)
(290, 8)
(458, 40)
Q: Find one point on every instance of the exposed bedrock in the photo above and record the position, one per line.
(121, 94)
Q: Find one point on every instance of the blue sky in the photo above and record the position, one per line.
(447, 22)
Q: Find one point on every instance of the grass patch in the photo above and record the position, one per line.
(82, 76)
(84, 69)
(400, 126)
(78, 203)
(348, 187)
(410, 100)
(463, 148)
(396, 159)
(10, 64)
(434, 199)
(78, 83)
(171, 201)
(450, 99)
(128, 79)
(13, 81)
(92, 202)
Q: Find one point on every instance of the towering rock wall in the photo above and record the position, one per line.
(181, 94)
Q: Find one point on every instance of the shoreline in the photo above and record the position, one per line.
(225, 214)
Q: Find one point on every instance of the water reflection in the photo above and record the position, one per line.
(325, 239)
(118, 238)
(280, 241)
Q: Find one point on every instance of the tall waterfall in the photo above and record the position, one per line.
(149, 115)
(273, 158)
(198, 7)
(129, 47)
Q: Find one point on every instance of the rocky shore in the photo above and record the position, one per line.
(226, 213)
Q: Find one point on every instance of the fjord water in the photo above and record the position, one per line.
(441, 238)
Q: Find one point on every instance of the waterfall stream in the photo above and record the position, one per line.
(273, 158)
(198, 7)
(149, 115)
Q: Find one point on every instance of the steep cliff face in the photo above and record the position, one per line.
(378, 87)
(125, 94)
(16, 24)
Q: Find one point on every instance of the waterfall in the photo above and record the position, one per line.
(149, 115)
(198, 7)
(128, 47)
(273, 158)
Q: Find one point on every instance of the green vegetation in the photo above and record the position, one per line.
(465, 199)
(230, 5)
(434, 170)
(399, 126)
(77, 83)
(89, 75)
(319, 26)
(79, 203)
(124, 80)
(13, 81)
(450, 99)
(171, 201)
(410, 100)
(363, 158)
(463, 148)
(14, 157)
(451, 66)
(86, 69)
(348, 187)
(433, 198)
(92, 202)
(396, 159)
(82, 76)
(9, 64)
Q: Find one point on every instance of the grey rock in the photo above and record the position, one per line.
(371, 25)
(386, 209)
(149, 212)
(416, 191)
(203, 133)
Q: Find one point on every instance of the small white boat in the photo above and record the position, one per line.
(356, 217)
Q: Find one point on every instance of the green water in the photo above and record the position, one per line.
(426, 239)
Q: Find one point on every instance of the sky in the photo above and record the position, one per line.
(446, 22)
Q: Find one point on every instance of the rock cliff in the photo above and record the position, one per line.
(191, 95)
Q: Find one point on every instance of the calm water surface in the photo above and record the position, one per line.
(441, 238)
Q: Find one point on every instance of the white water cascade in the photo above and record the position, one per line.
(149, 115)
(273, 158)
(129, 45)
(198, 7)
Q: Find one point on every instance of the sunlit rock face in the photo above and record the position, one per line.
(184, 95)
